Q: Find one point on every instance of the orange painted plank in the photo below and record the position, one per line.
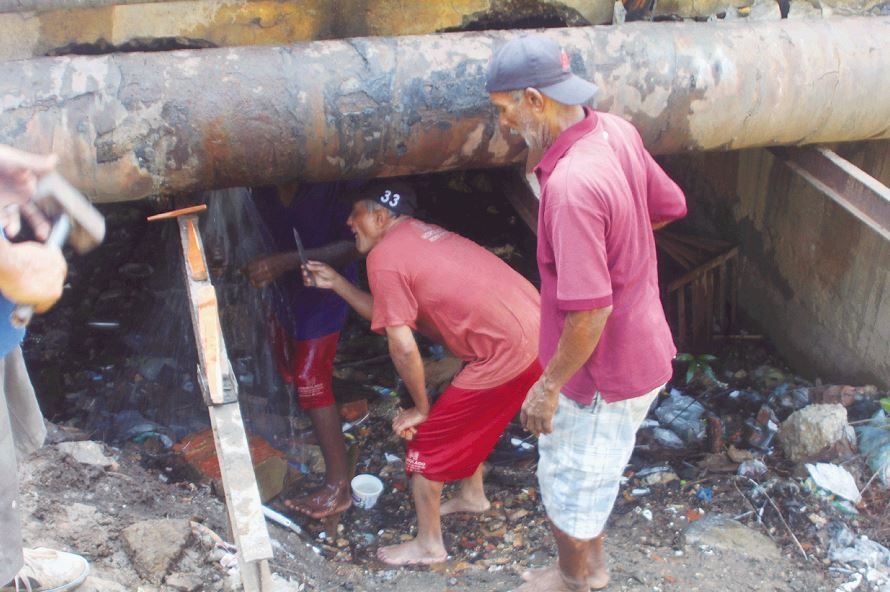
(197, 268)
(210, 341)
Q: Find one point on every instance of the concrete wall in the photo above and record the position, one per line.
(30, 28)
(226, 23)
(814, 278)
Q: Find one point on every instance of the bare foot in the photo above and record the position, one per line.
(597, 574)
(549, 579)
(462, 504)
(412, 553)
(325, 501)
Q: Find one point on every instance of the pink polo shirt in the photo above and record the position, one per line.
(455, 292)
(601, 191)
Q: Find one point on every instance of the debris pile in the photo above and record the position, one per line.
(742, 469)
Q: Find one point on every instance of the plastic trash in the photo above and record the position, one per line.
(682, 415)
(752, 469)
(762, 429)
(789, 399)
(874, 444)
(705, 494)
(667, 438)
(382, 390)
(851, 585)
(861, 552)
(836, 479)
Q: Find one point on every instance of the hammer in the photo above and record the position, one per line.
(76, 221)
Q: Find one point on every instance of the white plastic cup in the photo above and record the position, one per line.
(365, 490)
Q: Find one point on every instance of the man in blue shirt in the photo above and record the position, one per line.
(307, 321)
(30, 273)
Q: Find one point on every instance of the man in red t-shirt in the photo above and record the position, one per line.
(426, 279)
(605, 344)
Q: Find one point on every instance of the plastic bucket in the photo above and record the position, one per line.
(365, 490)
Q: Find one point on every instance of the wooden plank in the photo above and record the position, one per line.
(209, 340)
(720, 298)
(523, 194)
(711, 302)
(242, 495)
(853, 189)
(681, 317)
(707, 244)
(176, 213)
(239, 483)
(702, 269)
(675, 252)
(197, 266)
(734, 275)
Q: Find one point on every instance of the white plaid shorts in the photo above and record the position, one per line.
(583, 458)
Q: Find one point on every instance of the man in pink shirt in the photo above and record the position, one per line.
(426, 279)
(605, 344)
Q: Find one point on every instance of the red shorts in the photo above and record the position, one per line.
(463, 427)
(308, 365)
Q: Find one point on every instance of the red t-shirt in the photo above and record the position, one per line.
(601, 191)
(456, 293)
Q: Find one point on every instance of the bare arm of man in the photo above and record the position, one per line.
(326, 277)
(579, 338)
(406, 357)
(269, 268)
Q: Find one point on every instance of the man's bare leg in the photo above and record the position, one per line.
(597, 572)
(570, 572)
(334, 496)
(470, 497)
(427, 547)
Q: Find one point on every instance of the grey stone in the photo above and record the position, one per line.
(94, 584)
(89, 453)
(814, 429)
(724, 534)
(154, 545)
(184, 582)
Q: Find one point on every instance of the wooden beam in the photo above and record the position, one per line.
(843, 182)
(218, 385)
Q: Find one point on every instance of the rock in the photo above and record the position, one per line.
(94, 584)
(816, 430)
(154, 545)
(88, 453)
(313, 458)
(184, 582)
(724, 534)
(660, 478)
(739, 456)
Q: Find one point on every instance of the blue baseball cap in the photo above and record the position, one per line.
(395, 194)
(538, 62)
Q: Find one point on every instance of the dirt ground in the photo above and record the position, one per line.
(115, 358)
(86, 508)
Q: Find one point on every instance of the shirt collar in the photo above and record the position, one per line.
(563, 142)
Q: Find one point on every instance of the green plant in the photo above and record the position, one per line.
(885, 403)
(698, 366)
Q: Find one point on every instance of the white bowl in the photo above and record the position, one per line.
(365, 490)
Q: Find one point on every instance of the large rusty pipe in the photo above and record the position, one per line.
(128, 126)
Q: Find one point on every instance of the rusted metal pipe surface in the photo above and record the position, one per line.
(128, 126)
